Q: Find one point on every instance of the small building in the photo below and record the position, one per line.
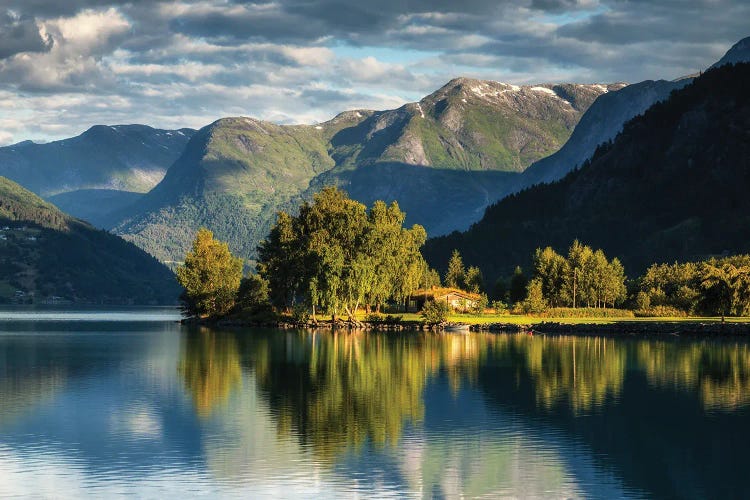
(458, 300)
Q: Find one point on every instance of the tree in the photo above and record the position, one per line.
(336, 255)
(210, 275)
(252, 295)
(576, 273)
(456, 275)
(549, 267)
(518, 286)
(730, 283)
(430, 278)
(282, 261)
(474, 281)
(480, 304)
(534, 301)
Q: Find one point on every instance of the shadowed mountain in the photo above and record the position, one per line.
(605, 119)
(672, 186)
(45, 253)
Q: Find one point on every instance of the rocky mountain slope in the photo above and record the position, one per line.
(461, 143)
(46, 254)
(672, 186)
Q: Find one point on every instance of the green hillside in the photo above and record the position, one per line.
(462, 143)
(672, 186)
(46, 254)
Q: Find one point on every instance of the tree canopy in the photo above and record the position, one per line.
(210, 275)
(335, 255)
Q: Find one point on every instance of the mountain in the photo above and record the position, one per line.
(601, 123)
(461, 143)
(672, 186)
(45, 253)
(740, 52)
(96, 166)
(605, 119)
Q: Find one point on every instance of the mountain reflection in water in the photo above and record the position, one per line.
(166, 410)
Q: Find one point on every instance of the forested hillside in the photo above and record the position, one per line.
(672, 186)
(47, 255)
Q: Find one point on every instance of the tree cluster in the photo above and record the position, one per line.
(458, 276)
(712, 287)
(336, 256)
(583, 278)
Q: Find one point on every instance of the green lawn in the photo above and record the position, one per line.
(532, 320)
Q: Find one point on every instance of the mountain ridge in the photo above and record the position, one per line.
(671, 186)
(235, 173)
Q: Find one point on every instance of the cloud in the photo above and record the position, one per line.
(20, 34)
(67, 65)
(77, 44)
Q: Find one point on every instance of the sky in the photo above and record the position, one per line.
(68, 64)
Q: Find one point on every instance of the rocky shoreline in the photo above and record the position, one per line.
(629, 328)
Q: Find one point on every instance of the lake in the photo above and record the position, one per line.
(128, 402)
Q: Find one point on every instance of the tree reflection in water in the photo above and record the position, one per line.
(210, 368)
(337, 391)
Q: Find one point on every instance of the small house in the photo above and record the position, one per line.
(458, 300)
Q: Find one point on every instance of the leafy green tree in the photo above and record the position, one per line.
(434, 312)
(335, 255)
(474, 280)
(210, 275)
(534, 301)
(253, 295)
(518, 284)
(282, 261)
(430, 278)
(730, 283)
(642, 301)
(455, 277)
(577, 271)
(549, 267)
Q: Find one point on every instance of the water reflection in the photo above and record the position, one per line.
(210, 368)
(719, 372)
(166, 411)
(341, 390)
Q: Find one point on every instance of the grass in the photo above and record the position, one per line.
(481, 319)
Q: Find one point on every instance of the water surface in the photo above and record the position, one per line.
(106, 403)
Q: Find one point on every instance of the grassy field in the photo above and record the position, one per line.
(533, 320)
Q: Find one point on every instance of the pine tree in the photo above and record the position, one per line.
(455, 277)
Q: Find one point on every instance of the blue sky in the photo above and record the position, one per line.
(65, 66)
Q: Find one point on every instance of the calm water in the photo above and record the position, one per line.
(97, 404)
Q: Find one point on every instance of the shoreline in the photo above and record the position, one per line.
(658, 328)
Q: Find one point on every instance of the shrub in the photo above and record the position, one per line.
(661, 312)
(375, 318)
(434, 312)
(300, 314)
(586, 312)
(500, 307)
(480, 305)
(383, 318)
